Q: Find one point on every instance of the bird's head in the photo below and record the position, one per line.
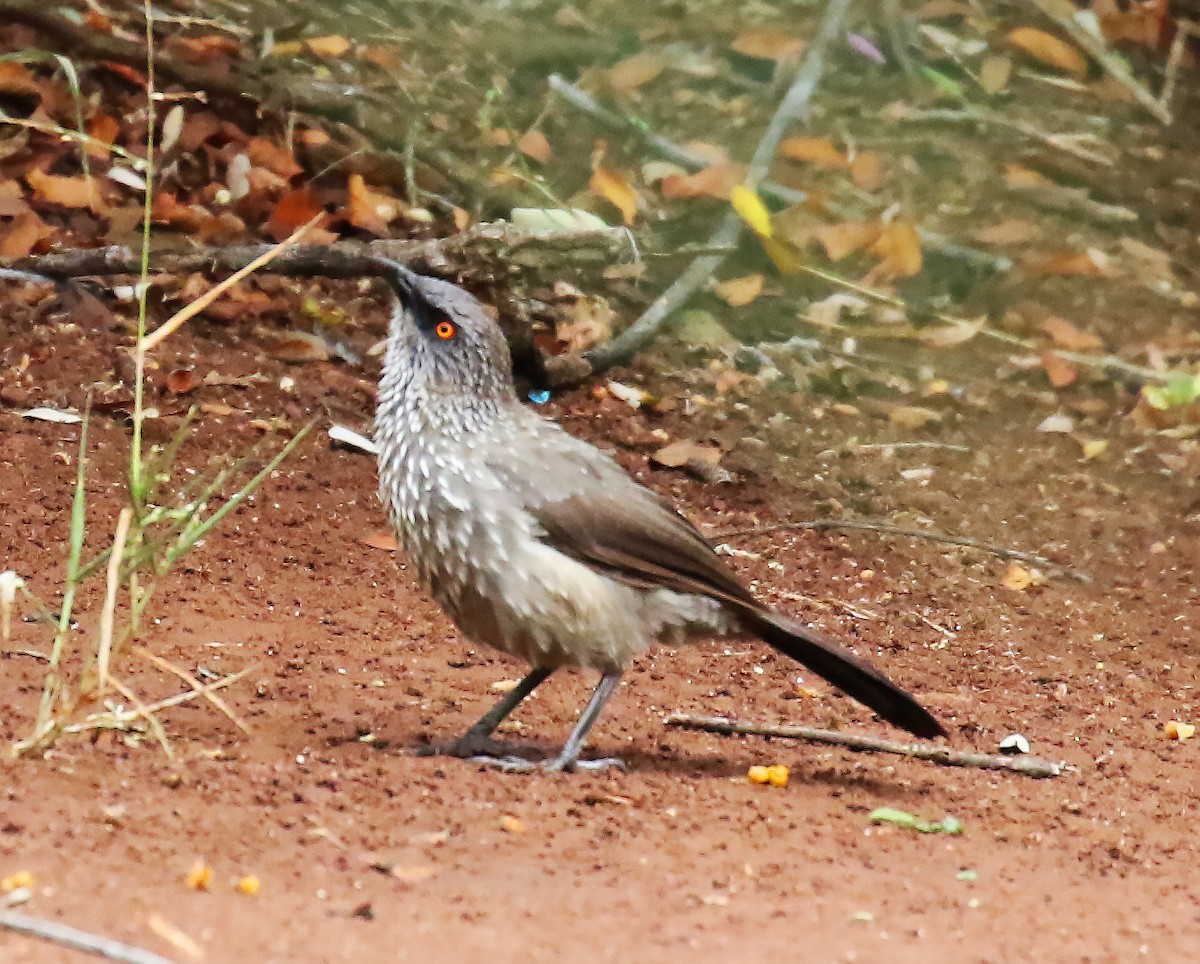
(441, 338)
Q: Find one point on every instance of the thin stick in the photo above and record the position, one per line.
(1029, 766)
(1063, 14)
(867, 525)
(193, 308)
(195, 684)
(652, 321)
(1184, 31)
(114, 721)
(104, 654)
(73, 937)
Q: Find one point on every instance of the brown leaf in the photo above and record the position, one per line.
(739, 292)
(1067, 334)
(1145, 23)
(1060, 371)
(867, 171)
(819, 151)
(534, 144)
(768, 45)
(716, 181)
(956, 333)
(1008, 232)
(1049, 50)
(369, 210)
(632, 72)
(589, 322)
(912, 416)
(840, 240)
(180, 381)
(611, 186)
(1068, 263)
(332, 45)
(683, 453)
(380, 540)
(994, 73)
(276, 158)
(300, 346)
(1020, 178)
(900, 248)
(68, 192)
(294, 209)
(12, 203)
(16, 80)
(23, 235)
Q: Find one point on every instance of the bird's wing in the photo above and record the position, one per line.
(591, 511)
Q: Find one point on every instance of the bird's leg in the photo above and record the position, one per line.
(475, 740)
(568, 757)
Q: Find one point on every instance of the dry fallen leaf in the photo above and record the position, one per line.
(611, 186)
(533, 144)
(300, 346)
(683, 453)
(1017, 577)
(328, 46)
(767, 45)
(994, 73)
(180, 381)
(819, 151)
(739, 292)
(1067, 335)
(899, 246)
(912, 416)
(716, 181)
(294, 209)
(840, 240)
(380, 540)
(1087, 264)
(1049, 50)
(1008, 232)
(370, 210)
(632, 72)
(68, 192)
(1060, 371)
(1175, 730)
(955, 333)
(867, 171)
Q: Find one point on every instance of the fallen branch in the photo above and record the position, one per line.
(571, 368)
(66, 936)
(1029, 766)
(867, 525)
(481, 253)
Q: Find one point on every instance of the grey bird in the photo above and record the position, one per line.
(538, 544)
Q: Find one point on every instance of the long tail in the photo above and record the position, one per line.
(844, 670)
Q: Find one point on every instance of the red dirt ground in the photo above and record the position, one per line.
(679, 858)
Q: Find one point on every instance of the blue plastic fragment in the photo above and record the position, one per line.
(539, 397)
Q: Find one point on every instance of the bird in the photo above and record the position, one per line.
(539, 545)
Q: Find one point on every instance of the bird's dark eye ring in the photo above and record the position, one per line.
(445, 330)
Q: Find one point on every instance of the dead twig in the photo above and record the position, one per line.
(66, 936)
(481, 252)
(565, 369)
(197, 687)
(1063, 14)
(1029, 766)
(867, 525)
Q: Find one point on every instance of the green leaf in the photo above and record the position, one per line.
(910, 821)
(1181, 389)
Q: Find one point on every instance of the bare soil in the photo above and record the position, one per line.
(678, 858)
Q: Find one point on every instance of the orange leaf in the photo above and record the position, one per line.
(739, 292)
(715, 181)
(1143, 23)
(900, 248)
(1007, 232)
(1049, 50)
(867, 171)
(1068, 263)
(534, 144)
(1020, 178)
(767, 45)
(16, 79)
(813, 150)
(24, 234)
(1068, 335)
(1060, 371)
(616, 190)
(369, 210)
(630, 73)
(68, 192)
(294, 209)
(329, 46)
(276, 159)
(380, 540)
(840, 240)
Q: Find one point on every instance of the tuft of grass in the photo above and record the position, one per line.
(83, 690)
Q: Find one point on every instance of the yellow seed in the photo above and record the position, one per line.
(511, 824)
(248, 885)
(759, 775)
(199, 877)
(22, 878)
(1174, 730)
(777, 775)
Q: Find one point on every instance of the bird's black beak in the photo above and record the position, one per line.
(406, 284)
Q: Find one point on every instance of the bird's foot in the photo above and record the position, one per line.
(517, 764)
(464, 748)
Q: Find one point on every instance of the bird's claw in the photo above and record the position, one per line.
(516, 764)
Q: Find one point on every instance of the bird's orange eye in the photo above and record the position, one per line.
(445, 330)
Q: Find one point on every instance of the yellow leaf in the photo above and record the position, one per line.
(739, 292)
(750, 208)
(1095, 448)
(813, 150)
(617, 191)
(994, 73)
(330, 46)
(1049, 50)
